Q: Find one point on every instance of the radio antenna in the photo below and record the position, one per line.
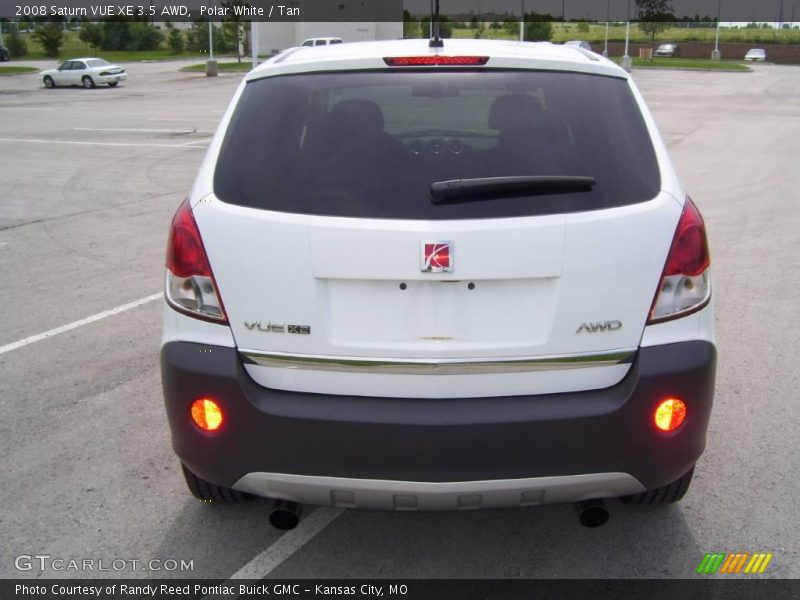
(436, 40)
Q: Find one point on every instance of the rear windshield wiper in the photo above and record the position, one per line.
(489, 188)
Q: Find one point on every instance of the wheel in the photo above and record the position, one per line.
(113, 83)
(87, 81)
(48, 82)
(209, 492)
(668, 494)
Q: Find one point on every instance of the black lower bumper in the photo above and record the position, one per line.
(440, 440)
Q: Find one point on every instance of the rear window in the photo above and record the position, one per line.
(370, 144)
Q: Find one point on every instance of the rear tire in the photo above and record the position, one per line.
(113, 83)
(87, 81)
(48, 82)
(209, 492)
(672, 492)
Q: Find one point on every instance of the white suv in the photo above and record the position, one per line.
(321, 41)
(415, 278)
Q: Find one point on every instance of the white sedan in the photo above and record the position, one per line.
(87, 72)
(756, 55)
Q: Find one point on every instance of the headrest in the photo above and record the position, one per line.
(363, 114)
(513, 111)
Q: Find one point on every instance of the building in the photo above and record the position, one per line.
(351, 20)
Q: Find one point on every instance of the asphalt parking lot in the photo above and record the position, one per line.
(89, 180)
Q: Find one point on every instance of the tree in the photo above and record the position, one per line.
(91, 34)
(538, 28)
(197, 38)
(538, 31)
(411, 27)
(144, 36)
(17, 47)
(51, 36)
(655, 16)
(445, 27)
(232, 24)
(116, 34)
(512, 27)
(175, 41)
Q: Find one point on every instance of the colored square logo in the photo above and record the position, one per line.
(437, 257)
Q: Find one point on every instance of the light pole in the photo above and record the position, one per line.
(716, 54)
(212, 69)
(627, 63)
(254, 42)
(522, 22)
(210, 40)
(608, 16)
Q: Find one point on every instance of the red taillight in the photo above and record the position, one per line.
(689, 252)
(435, 60)
(191, 288)
(685, 284)
(206, 414)
(185, 253)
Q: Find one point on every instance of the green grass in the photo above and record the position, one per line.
(73, 47)
(688, 63)
(131, 56)
(243, 66)
(17, 70)
(115, 56)
(596, 34)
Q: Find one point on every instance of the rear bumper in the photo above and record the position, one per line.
(387, 494)
(111, 78)
(443, 453)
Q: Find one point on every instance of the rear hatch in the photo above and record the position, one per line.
(339, 274)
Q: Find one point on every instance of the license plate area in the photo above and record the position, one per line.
(440, 316)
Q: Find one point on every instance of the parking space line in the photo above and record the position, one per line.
(139, 130)
(75, 324)
(36, 141)
(289, 543)
(180, 119)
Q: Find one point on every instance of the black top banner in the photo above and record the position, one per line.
(780, 11)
